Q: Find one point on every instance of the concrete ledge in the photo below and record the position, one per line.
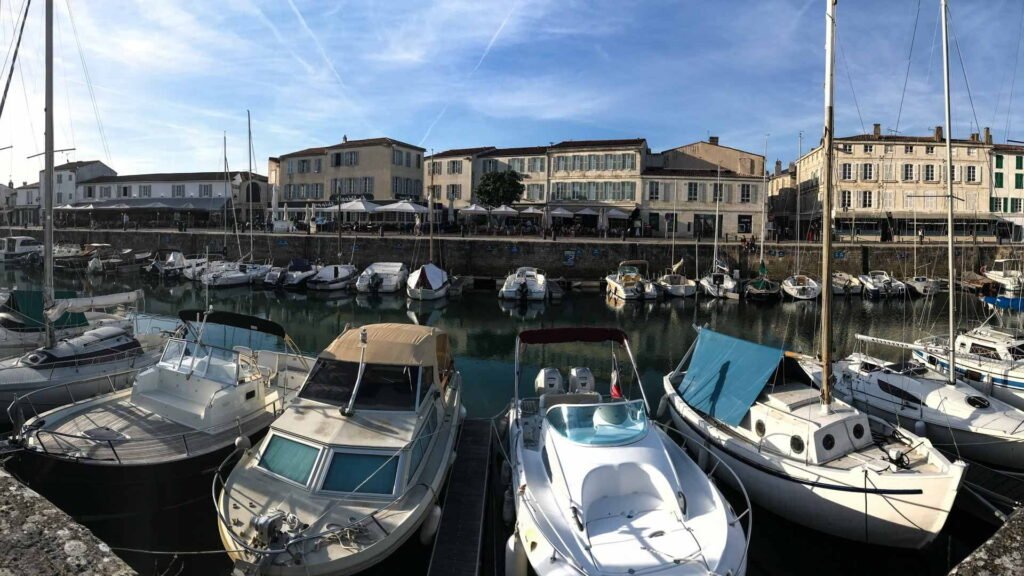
(36, 538)
(1000, 555)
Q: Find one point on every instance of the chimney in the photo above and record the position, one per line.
(877, 129)
(778, 167)
(344, 138)
(938, 134)
(713, 140)
(974, 137)
(988, 136)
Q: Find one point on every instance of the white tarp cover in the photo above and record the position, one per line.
(385, 267)
(91, 303)
(435, 276)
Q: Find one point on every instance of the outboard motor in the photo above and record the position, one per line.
(548, 380)
(581, 379)
(523, 290)
(376, 281)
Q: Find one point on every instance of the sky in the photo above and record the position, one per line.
(168, 79)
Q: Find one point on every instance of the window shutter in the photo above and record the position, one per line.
(753, 193)
(728, 193)
(703, 192)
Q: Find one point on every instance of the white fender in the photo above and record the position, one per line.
(515, 557)
(429, 527)
(462, 413)
(920, 428)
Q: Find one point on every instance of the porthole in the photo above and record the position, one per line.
(759, 428)
(858, 431)
(828, 442)
(978, 401)
(796, 444)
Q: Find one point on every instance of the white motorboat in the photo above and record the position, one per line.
(276, 276)
(844, 284)
(24, 318)
(719, 283)
(382, 278)
(106, 258)
(526, 283)
(354, 467)
(20, 250)
(838, 471)
(955, 417)
(629, 282)
(333, 277)
(299, 272)
(801, 287)
(923, 285)
(599, 489)
(1007, 272)
(988, 358)
(879, 284)
(195, 271)
(234, 274)
(428, 282)
(166, 433)
(98, 361)
(173, 264)
(676, 285)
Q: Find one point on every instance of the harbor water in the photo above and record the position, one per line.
(483, 333)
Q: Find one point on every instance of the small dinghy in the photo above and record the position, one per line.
(382, 278)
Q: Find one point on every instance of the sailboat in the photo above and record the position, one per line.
(799, 286)
(918, 284)
(673, 282)
(761, 288)
(718, 283)
(801, 453)
(429, 282)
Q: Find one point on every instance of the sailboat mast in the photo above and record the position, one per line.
(799, 154)
(48, 176)
(764, 195)
(826, 209)
(718, 195)
(949, 196)
(675, 228)
(226, 194)
(430, 209)
(248, 184)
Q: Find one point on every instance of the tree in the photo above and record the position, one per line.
(497, 188)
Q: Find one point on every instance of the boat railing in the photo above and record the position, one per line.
(32, 402)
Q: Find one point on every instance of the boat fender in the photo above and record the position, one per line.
(506, 474)
(242, 443)
(662, 407)
(508, 507)
(515, 557)
(920, 428)
(462, 413)
(429, 528)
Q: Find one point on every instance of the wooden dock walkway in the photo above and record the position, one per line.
(457, 547)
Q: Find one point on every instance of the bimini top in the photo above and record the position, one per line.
(726, 375)
(561, 335)
(234, 320)
(394, 344)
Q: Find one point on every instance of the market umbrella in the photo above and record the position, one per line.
(561, 213)
(474, 209)
(404, 207)
(359, 206)
(587, 212)
(532, 211)
(504, 210)
(616, 214)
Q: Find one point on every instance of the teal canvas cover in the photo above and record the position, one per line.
(726, 375)
(29, 303)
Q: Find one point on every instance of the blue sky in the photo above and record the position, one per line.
(170, 77)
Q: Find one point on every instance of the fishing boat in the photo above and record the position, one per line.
(800, 452)
(801, 287)
(1007, 273)
(526, 283)
(382, 278)
(100, 360)
(300, 272)
(20, 250)
(879, 284)
(428, 282)
(844, 284)
(353, 468)
(333, 277)
(121, 462)
(630, 282)
(600, 489)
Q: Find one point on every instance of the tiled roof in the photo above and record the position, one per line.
(692, 173)
(462, 152)
(317, 151)
(631, 142)
(374, 142)
(522, 151)
(170, 177)
(75, 165)
(1009, 147)
(929, 139)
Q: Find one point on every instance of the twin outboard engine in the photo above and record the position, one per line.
(581, 379)
(549, 381)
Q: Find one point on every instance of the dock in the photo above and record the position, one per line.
(460, 537)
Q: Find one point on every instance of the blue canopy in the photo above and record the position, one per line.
(1005, 303)
(726, 375)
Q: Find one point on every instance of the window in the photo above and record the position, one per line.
(994, 204)
(145, 191)
(1015, 205)
(205, 190)
(1018, 181)
(865, 199)
(745, 193)
(847, 171)
(60, 197)
(844, 199)
(397, 157)
(744, 223)
(1020, 162)
(929, 149)
(653, 191)
(435, 168)
(691, 192)
(929, 172)
(716, 193)
(896, 392)
(952, 173)
(454, 191)
(848, 148)
(490, 165)
(317, 165)
(999, 161)
(408, 159)
(125, 191)
(291, 166)
(455, 166)
(177, 191)
(868, 148)
(60, 178)
(908, 149)
(888, 148)
(384, 387)
(972, 173)
(867, 171)
(434, 191)
(336, 159)
(534, 191)
(908, 172)
(970, 151)
(984, 351)
(360, 472)
(419, 447)
(89, 192)
(517, 165)
(536, 164)
(104, 191)
(999, 179)
(419, 160)
(288, 458)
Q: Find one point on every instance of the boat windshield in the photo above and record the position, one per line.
(626, 270)
(384, 386)
(202, 360)
(599, 424)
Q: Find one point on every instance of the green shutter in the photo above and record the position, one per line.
(1006, 204)
(1020, 162)
(1018, 181)
(999, 161)
(993, 204)
(999, 178)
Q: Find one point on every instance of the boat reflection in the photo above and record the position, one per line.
(522, 309)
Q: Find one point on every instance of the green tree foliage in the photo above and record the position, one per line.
(497, 188)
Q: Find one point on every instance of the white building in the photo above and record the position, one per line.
(27, 204)
(66, 176)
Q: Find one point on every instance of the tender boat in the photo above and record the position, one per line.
(125, 462)
(353, 468)
(24, 318)
(676, 285)
(600, 489)
(879, 284)
(428, 282)
(844, 284)
(99, 361)
(21, 250)
(383, 278)
(719, 283)
(1007, 273)
(923, 286)
(835, 470)
(630, 283)
(333, 277)
(299, 272)
(526, 283)
(800, 287)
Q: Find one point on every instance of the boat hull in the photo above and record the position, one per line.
(427, 293)
(679, 290)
